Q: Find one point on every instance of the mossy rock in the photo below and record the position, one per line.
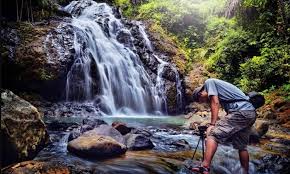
(23, 133)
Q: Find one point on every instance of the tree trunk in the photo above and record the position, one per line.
(17, 16)
(21, 9)
(31, 11)
(28, 11)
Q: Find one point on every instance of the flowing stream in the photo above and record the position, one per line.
(164, 158)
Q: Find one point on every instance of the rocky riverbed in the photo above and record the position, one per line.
(169, 148)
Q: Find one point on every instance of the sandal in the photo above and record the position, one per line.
(201, 169)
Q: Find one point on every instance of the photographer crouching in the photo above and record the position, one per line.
(234, 127)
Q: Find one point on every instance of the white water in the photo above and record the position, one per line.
(124, 85)
(160, 82)
(109, 73)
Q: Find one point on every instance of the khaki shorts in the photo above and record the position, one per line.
(235, 128)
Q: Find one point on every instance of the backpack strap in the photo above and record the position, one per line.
(233, 100)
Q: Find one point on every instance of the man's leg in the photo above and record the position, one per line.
(244, 159)
(211, 147)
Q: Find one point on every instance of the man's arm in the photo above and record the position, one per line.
(214, 108)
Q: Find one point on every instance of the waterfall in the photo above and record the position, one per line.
(105, 71)
(160, 82)
(123, 85)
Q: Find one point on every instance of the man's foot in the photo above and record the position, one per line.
(201, 169)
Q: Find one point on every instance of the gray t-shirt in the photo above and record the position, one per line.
(228, 92)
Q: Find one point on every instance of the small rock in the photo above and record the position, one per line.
(261, 127)
(144, 132)
(121, 127)
(138, 142)
(181, 144)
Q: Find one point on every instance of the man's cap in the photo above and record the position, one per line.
(195, 93)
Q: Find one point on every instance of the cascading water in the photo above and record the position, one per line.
(160, 82)
(123, 84)
(107, 72)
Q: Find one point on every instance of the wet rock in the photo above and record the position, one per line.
(269, 115)
(106, 130)
(59, 125)
(124, 37)
(121, 127)
(138, 142)
(93, 122)
(195, 120)
(88, 124)
(40, 60)
(23, 133)
(261, 127)
(144, 132)
(274, 163)
(70, 109)
(278, 148)
(193, 126)
(181, 144)
(32, 167)
(92, 145)
(73, 135)
(10, 40)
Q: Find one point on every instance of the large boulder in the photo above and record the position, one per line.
(23, 133)
(92, 145)
(106, 130)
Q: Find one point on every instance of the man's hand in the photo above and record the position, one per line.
(209, 129)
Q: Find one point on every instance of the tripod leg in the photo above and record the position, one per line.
(202, 141)
(196, 148)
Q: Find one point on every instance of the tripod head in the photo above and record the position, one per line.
(202, 129)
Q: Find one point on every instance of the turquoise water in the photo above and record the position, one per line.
(144, 121)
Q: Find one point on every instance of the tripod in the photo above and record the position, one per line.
(201, 130)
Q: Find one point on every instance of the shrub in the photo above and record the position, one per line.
(271, 68)
(230, 53)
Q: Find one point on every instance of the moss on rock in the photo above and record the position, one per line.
(23, 132)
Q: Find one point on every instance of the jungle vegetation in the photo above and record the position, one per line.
(245, 42)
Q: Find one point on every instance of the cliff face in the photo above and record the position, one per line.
(37, 57)
(26, 64)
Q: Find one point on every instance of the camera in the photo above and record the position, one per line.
(202, 128)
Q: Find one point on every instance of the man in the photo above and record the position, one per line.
(234, 127)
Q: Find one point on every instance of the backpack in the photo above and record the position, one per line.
(256, 99)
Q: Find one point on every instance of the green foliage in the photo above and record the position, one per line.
(255, 3)
(271, 68)
(128, 9)
(286, 91)
(249, 49)
(216, 30)
(185, 20)
(230, 53)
